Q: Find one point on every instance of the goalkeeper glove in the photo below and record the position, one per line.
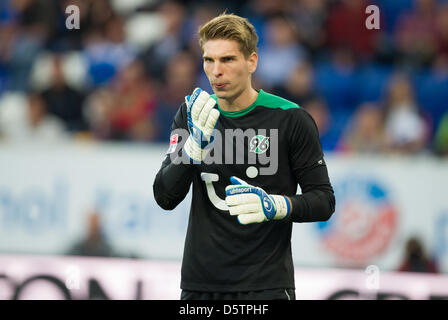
(253, 205)
(202, 118)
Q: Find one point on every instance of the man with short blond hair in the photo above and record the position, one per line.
(230, 27)
(244, 151)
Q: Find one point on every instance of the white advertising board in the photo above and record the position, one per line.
(46, 193)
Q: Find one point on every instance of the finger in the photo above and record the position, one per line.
(236, 181)
(251, 218)
(244, 209)
(210, 124)
(239, 199)
(212, 119)
(205, 112)
(189, 100)
(198, 104)
(194, 95)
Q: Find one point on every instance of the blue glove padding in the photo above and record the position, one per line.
(253, 205)
(202, 118)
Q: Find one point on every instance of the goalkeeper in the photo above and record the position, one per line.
(238, 242)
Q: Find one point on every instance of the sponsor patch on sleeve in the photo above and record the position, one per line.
(173, 143)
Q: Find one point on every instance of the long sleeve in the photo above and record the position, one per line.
(317, 201)
(174, 178)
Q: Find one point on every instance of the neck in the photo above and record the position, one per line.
(240, 101)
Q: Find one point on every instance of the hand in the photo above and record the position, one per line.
(253, 205)
(202, 118)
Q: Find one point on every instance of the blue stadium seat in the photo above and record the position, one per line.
(372, 82)
(338, 123)
(101, 73)
(432, 95)
(391, 11)
(337, 87)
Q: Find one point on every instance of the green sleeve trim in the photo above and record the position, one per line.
(264, 99)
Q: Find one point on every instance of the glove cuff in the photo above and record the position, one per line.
(283, 207)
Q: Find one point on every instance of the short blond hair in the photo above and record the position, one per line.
(230, 27)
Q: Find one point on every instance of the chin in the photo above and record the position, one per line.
(221, 94)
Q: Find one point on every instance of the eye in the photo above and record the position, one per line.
(227, 59)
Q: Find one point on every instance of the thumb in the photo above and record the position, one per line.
(189, 100)
(237, 181)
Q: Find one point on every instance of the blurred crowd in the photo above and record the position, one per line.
(123, 74)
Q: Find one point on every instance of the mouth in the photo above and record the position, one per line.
(220, 85)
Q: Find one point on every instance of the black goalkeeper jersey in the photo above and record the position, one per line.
(273, 144)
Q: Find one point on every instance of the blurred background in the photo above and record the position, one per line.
(85, 115)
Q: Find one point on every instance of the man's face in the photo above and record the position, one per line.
(227, 69)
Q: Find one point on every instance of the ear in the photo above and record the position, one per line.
(252, 62)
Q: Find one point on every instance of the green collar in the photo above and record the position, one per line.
(240, 113)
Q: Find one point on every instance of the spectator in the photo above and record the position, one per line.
(64, 39)
(172, 42)
(99, 13)
(202, 13)
(346, 28)
(365, 132)
(318, 109)
(405, 129)
(267, 8)
(107, 52)
(299, 86)
(124, 111)
(258, 12)
(179, 78)
(310, 17)
(26, 35)
(94, 243)
(30, 122)
(415, 34)
(281, 53)
(432, 89)
(442, 29)
(7, 34)
(416, 259)
(131, 117)
(346, 64)
(62, 100)
(98, 111)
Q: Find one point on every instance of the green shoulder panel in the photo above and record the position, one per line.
(270, 100)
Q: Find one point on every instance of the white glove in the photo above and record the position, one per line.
(202, 118)
(253, 205)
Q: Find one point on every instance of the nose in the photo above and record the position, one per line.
(217, 69)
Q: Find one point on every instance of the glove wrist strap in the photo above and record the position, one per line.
(283, 207)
